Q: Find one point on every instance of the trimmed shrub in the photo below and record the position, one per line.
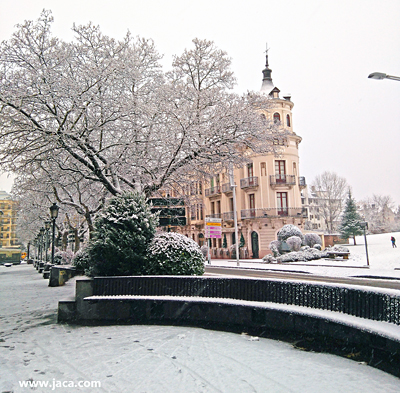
(290, 230)
(123, 230)
(63, 257)
(275, 246)
(294, 243)
(174, 254)
(311, 239)
(81, 260)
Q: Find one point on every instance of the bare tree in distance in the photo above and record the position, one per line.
(330, 190)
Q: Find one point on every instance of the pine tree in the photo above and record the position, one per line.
(242, 242)
(224, 242)
(350, 223)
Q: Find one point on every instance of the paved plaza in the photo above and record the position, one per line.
(35, 349)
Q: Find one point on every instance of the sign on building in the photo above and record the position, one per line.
(213, 228)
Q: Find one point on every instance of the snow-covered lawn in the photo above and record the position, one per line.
(384, 261)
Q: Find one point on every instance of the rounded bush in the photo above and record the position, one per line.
(81, 260)
(311, 239)
(289, 230)
(294, 243)
(174, 254)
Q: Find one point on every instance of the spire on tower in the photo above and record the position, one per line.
(267, 84)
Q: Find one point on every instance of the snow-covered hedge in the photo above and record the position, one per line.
(174, 254)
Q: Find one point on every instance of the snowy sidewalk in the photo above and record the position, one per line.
(151, 359)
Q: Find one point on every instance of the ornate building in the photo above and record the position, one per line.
(268, 191)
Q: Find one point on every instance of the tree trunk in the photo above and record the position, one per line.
(354, 239)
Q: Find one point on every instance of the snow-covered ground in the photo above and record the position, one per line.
(384, 261)
(33, 347)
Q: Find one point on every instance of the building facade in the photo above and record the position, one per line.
(8, 221)
(268, 191)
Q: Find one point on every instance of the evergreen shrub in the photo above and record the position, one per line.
(174, 254)
(123, 230)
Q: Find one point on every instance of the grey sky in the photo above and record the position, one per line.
(321, 52)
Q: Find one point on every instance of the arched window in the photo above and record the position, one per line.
(288, 120)
(263, 118)
(277, 117)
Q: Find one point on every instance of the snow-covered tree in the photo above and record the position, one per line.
(330, 191)
(104, 109)
(350, 222)
(123, 230)
(174, 254)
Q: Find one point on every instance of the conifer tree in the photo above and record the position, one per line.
(224, 242)
(350, 223)
(242, 241)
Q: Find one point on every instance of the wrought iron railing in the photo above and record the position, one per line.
(216, 190)
(273, 212)
(249, 182)
(282, 180)
(379, 304)
(227, 216)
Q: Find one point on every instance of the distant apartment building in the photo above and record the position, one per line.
(316, 207)
(268, 190)
(8, 221)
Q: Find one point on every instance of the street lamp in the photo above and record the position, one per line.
(364, 226)
(53, 214)
(47, 226)
(381, 75)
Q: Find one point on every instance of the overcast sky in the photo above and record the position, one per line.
(321, 52)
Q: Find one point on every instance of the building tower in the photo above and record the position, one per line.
(268, 190)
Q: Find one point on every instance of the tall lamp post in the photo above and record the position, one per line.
(41, 240)
(364, 226)
(53, 214)
(381, 75)
(47, 227)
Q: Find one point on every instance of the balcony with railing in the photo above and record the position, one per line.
(216, 190)
(214, 215)
(282, 180)
(227, 216)
(226, 188)
(249, 182)
(273, 212)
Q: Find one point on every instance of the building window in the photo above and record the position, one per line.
(288, 120)
(280, 171)
(263, 118)
(277, 117)
(282, 204)
(294, 169)
(250, 171)
(263, 169)
(252, 203)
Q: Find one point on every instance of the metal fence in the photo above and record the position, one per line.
(360, 302)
